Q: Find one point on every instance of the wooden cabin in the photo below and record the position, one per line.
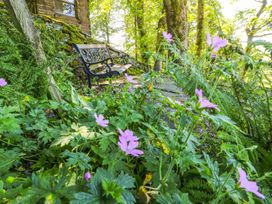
(74, 12)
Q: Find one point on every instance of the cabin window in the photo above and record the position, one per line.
(66, 7)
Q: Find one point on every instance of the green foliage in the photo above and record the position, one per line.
(77, 159)
(9, 121)
(176, 198)
(191, 154)
(106, 188)
(17, 63)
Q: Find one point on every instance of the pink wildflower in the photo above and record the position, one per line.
(99, 119)
(87, 176)
(249, 186)
(128, 143)
(3, 82)
(204, 103)
(199, 93)
(130, 79)
(216, 43)
(167, 36)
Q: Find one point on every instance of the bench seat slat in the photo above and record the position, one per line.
(90, 46)
(118, 67)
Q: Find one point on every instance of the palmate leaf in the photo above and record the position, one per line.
(8, 158)
(175, 198)
(125, 180)
(221, 120)
(113, 190)
(85, 198)
(9, 121)
(105, 188)
(79, 159)
(64, 140)
(47, 187)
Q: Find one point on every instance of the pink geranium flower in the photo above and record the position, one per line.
(99, 119)
(199, 93)
(167, 36)
(216, 43)
(3, 82)
(130, 79)
(204, 103)
(249, 186)
(128, 143)
(87, 176)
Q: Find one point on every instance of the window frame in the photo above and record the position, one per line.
(60, 10)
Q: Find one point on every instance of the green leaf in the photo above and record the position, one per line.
(8, 159)
(175, 198)
(112, 189)
(85, 198)
(79, 159)
(125, 180)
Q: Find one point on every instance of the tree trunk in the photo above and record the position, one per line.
(176, 18)
(141, 29)
(24, 21)
(159, 49)
(253, 29)
(200, 26)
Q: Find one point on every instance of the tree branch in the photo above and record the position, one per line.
(263, 35)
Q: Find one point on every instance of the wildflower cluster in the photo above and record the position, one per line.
(127, 141)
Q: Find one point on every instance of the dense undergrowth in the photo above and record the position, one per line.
(58, 153)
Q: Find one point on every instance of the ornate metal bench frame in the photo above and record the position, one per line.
(93, 54)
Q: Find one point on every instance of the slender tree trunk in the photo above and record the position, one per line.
(200, 27)
(142, 33)
(176, 18)
(24, 21)
(253, 29)
(159, 49)
(107, 20)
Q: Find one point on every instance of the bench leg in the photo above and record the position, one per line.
(89, 81)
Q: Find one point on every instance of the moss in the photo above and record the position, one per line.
(75, 34)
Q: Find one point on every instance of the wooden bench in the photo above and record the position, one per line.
(98, 61)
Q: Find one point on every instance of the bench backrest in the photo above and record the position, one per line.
(93, 53)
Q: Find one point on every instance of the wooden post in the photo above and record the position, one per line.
(24, 22)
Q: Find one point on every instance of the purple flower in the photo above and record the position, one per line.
(128, 143)
(99, 119)
(249, 186)
(204, 103)
(213, 55)
(167, 36)
(87, 175)
(199, 93)
(216, 43)
(130, 79)
(130, 89)
(3, 82)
